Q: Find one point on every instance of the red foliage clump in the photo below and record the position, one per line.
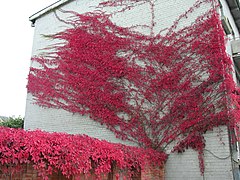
(69, 154)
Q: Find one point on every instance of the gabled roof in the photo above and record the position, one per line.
(47, 9)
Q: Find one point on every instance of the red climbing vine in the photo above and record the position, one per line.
(151, 89)
(71, 155)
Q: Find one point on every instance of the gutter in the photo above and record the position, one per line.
(47, 9)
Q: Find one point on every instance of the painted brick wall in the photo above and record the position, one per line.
(55, 120)
(179, 166)
(58, 120)
(217, 157)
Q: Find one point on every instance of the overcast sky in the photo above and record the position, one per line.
(16, 36)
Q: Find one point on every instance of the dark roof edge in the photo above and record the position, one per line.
(47, 9)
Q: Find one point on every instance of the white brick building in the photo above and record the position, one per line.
(221, 157)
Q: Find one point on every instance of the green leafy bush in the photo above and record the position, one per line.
(13, 122)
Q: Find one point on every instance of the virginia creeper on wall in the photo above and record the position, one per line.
(150, 89)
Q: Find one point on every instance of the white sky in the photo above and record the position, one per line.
(16, 36)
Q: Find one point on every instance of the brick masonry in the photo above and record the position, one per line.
(179, 166)
(28, 173)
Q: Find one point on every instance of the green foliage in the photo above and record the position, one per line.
(13, 122)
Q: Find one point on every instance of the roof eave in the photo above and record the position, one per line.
(47, 9)
(233, 6)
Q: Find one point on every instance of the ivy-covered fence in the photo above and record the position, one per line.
(43, 155)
